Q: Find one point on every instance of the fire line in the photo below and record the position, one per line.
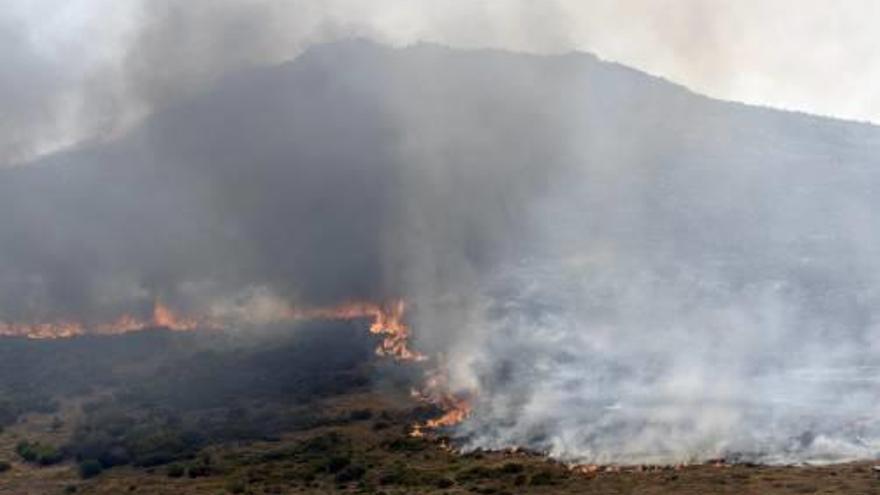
(388, 322)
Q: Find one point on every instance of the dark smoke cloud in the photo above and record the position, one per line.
(347, 174)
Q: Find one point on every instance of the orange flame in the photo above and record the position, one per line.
(162, 317)
(165, 318)
(387, 321)
(60, 329)
(436, 391)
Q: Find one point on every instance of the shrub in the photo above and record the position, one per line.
(405, 444)
(323, 444)
(542, 478)
(90, 468)
(175, 471)
(199, 470)
(476, 473)
(337, 463)
(279, 454)
(236, 486)
(400, 474)
(444, 483)
(512, 468)
(113, 456)
(361, 415)
(38, 453)
(351, 473)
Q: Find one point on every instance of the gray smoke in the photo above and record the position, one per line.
(332, 178)
(624, 271)
(30, 87)
(703, 285)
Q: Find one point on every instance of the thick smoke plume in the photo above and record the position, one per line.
(323, 180)
(621, 270)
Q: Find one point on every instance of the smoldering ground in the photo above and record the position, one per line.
(622, 270)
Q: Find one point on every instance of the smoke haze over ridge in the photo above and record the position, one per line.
(101, 66)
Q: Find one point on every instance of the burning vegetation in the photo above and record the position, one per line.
(388, 322)
(161, 317)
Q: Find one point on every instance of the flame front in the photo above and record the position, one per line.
(60, 329)
(387, 321)
(162, 317)
(456, 407)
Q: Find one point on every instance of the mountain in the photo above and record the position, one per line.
(589, 245)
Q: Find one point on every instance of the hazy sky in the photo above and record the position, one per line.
(818, 56)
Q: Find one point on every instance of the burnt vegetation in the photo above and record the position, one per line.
(157, 397)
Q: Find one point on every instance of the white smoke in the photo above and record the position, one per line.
(602, 365)
(688, 309)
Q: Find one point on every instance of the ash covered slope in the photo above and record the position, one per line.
(622, 270)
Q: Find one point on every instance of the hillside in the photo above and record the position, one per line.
(227, 434)
(613, 269)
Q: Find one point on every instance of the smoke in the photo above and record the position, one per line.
(622, 270)
(24, 101)
(317, 181)
(100, 67)
(703, 286)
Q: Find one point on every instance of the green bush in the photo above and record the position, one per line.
(38, 453)
(90, 468)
